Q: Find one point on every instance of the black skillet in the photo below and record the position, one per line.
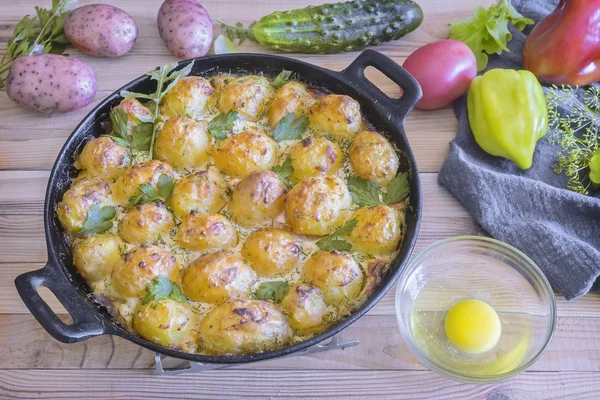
(387, 115)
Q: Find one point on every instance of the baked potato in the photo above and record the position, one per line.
(136, 113)
(146, 223)
(241, 154)
(247, 95)
(200, 192)
(95, 256)
(127, 185)
(188, 98)
(378, 230)
(183, 143)
(272, 252)
(76, 202)
(315, 157)
(336, 115)
(201, 232)
(291, 97)
(257, 199)
(304, 306)
(102, 157)
(373, 157)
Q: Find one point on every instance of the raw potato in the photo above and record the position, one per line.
(182, 142)
(373, 157)
(315, 157)
(291, 97)
(202, 232)
(239, 327)
(146, 223)
(95, 256)
(257, 199)
(217, 277)
(316, 206)
(378, 230)
(101, 30)
(304, 306)
(185, 27)
(168, 323)
(272, 252)
(188, 98)
(127, 185)
(102, 157)
(200, 192)
(240, 155)
(73, 209)
(336, 115)
(247, 95)
(51, 83)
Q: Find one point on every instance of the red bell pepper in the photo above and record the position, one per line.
(564, 47)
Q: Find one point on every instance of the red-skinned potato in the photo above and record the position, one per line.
(185, 27)
(444, 69)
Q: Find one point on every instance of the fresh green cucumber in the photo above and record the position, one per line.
(333, 28)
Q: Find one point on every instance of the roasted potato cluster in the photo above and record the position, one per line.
(225, 237)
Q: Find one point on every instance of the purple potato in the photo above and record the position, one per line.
(101, 30)
(185, 27)
(51, 83)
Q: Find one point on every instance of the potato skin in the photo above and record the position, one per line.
(145, 223)
(141, 265)
(127, 184)
(101, 30)
(185, 27)
(95, 256)
(337, 115)
(291, 97)
(188, 98)
(304, 306)
(315, 157)
(217, 277)
(240, 155)
(73, 208)
(373, 157)
(378, 230)
(317, 205)
(102, 157)
(243, 326)
(168, 323)
(257, 199)
(200, 191)
(337, 275)
(182, 142)
(247, 95)
(272, 252)
(202, 232)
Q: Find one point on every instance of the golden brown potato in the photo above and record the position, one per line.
(315, 157)
(291, 97)
(304, 306)
(141, 265)
(201, 192)
(317, 205)
(337, 115)
(337, 275)
(202, 232)
(182, 142)
(247, 95)
(240, 155)
(372, 157)
(73, 209)
(217, 277)
(168, 323)
(188, 98)
(146, 223)
(102, 157)
(127, 185)
(136, 113)
(95, 256)
(257, 199)
(240, 327)
(378, 230)
(272, 251)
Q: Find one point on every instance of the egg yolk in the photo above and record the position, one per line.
(473, 326)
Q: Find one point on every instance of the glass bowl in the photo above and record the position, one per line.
(467, 267)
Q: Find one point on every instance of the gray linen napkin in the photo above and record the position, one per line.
(531, 210)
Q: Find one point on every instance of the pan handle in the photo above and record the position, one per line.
(411, 90)
(86, 324)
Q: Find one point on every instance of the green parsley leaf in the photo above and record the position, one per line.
(161, 288)
(281, 78)
(98, 220)
(290, 127)
(221, 124)
(119, 141)
(284, 170)
(486, 32)
(328, 244)
(148, 194)
(118, 120)
(397, 189)
(364, 192)
(346, 228)
(141, 136)
(274, 290)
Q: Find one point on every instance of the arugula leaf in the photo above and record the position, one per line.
(284, 170)
(221, 124)
(281, 78)
(161, 288)
(486, 32)
(164, 185)
(397, 189)
(330, 242)
(98, 220)
(274, 290)
(141, 136)
(363, 192)
(290, 127)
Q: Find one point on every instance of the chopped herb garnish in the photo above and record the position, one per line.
(274, 290)
(281, 78)
(98, 220)
(330, 242)
(164, 185)
(284, 170)
(221, 124)
(290, 127)
(161, 288)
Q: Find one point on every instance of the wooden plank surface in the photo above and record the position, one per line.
(33, 365)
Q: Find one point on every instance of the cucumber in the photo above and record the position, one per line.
(332, 28)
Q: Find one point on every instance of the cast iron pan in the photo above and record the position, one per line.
(387, 115)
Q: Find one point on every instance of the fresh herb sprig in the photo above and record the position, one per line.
(161, 288)
(332, 241)
(141, 134)
(290, 127)
(365, 193)
(164, 188)
(284, 171)
(98, 220)
(221, 124)
(274, 290)
(282, 78)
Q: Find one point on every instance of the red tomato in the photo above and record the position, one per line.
(444, 69)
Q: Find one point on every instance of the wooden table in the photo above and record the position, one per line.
(33, 365)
